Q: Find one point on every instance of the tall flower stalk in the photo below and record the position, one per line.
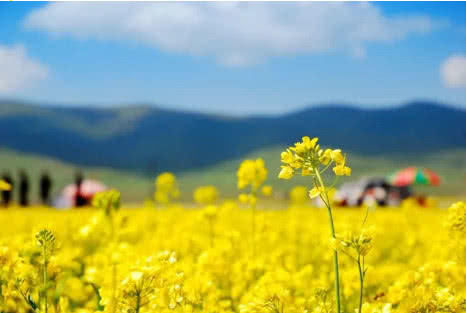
(46, 241)
(109, 202)
(308, 158)
(251, 173)
(326, 200)
(356, 245)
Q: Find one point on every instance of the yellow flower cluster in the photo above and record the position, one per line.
(205, 194)
(200, 260)
(457, 217)
(166, 188)
(251, 173)
(355, 243)
(308, 157)
(267, 190)
(109, 201)
(456, 225)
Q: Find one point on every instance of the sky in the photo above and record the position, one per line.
(233, 58)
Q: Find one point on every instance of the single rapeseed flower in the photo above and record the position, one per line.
(166, 188)
(267, 190)
(109, 201)
(205, 194)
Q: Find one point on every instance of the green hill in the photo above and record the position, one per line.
(450, 165)
(150, 140)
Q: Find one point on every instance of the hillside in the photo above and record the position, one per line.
(149, 140)
(451, 165)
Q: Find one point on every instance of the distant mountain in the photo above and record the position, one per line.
(150, 140)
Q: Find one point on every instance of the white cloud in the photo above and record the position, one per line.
(453, 71)
(17, 70)
(234, 33)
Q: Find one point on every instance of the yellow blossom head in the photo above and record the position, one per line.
(251, 173)
(107, 200)
(267, 190)
(166, 188)
(308, 157)
(315, 192)
(205, 194)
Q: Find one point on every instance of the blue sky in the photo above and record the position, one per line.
(259, 58)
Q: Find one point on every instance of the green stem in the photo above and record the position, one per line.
(138, 302)
(332, 230)
(100, 307)
(361, 283)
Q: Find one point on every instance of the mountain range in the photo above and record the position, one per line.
(147, 139)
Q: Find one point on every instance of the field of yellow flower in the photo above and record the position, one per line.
(186, 260)
(245, 255)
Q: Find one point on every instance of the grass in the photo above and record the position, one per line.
(450, 165)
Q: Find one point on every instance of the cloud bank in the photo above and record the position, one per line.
(234, 34)
(453, 71)
(17, 70)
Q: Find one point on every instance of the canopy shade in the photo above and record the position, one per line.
(414, 176)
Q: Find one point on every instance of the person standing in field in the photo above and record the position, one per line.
(44, 188)
(7, 194)
(23, 188)
(80, 200)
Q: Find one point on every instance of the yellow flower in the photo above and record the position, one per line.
(325, 156)
(251, 172)
(205, 194)
(210, 211)
(457, 217)
(315, 192)
(166, 188)
(299, 148)
(247, 199)
(243, 198)
(311, 159)
(135, 276)
(287, 156)
(341, 170)
(337, 156)
(286, 172)
(166, 179)
(267, 190)
(108, 200)
(309, 143)
(306, 171)
(4, 185)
